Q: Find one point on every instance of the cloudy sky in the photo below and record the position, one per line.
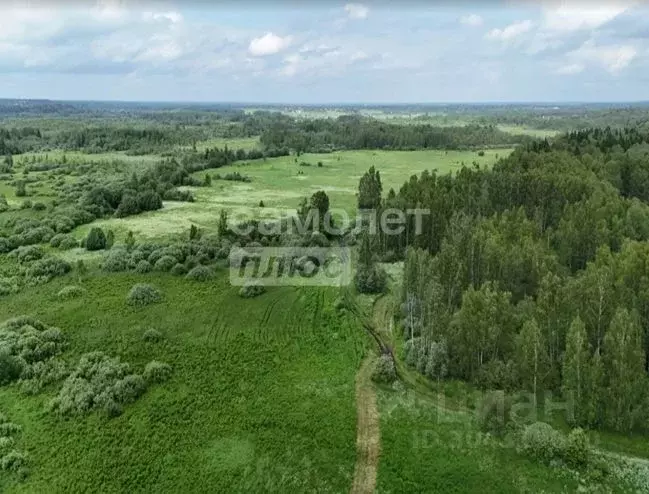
(326, 53)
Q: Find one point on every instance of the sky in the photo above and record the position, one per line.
(325, 51)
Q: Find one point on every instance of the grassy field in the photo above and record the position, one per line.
(261, 398)
(281, 182)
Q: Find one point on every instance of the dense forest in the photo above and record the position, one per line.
(533, 275)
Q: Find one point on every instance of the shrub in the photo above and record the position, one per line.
(577, 451)
(25, 344)
(156, 372)
(143, 267)
(152, 336)
(384, 370)
(56, 240)
(48, 268)
(98, 382)
(178, 269)
(115, 261)
(28, 254)
(68, 242)
(70, 292)
(370, 279)
(13, 461)
(96, 239)
(8, 286)
(494, 413)
(540, 441)
(251, 290)
(199, 273)
(165, 263)
(143, 294)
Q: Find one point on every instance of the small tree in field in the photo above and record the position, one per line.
(96, 239)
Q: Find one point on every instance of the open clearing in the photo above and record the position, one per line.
(281, 182)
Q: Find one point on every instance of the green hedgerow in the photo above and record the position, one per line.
(143, 294)
(156, 372)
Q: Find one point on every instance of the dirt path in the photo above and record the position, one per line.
(368, 435)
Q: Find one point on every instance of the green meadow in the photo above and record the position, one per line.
(280, 183)
(261, 396)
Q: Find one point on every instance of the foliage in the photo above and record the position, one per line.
(200, 273)
(156, 372)
(96, 239)
(251, 290)
(384, 371)
(70, 292)
(98, 382)
(142, 294)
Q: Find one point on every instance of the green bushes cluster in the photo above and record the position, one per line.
(64, 241)
(11, 460)
(48, 268)
(100, 382)
(542, 442)
(27, 350)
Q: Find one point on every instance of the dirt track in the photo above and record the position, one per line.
(368, 435)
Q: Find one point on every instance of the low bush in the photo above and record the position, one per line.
(577, 452)
(13, 461)
(143, 267)
(178, 270)
(68, 242)
(371, 279)
(142, 295)
(98, 382)
(8, 286)
(26, 345)
(70, 292)
(541, 442)
(152, 336)
(156, 372)
(200, 273)
(165, 263)
(115, 261)
(384, 371)
(251, 290)
(493, 414)
(49, 268)
(28, 254)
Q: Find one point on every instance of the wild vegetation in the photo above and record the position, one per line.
(522, 290)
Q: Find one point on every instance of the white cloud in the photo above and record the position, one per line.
(613, 58)
(566, 17)
(510, 32)
(570, 69)
(472, 20)
(268, 44)
(357, 11)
